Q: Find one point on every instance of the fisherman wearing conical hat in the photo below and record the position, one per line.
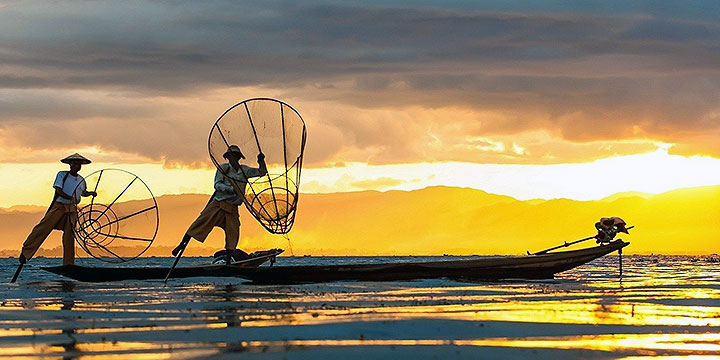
(62, 214)
(222, 209)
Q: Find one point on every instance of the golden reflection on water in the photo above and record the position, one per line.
(672, 357)
(692, 343)
(549, 312)
(661, 311)
(648, 344)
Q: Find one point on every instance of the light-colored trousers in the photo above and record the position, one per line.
(221, 214)
(59, 217)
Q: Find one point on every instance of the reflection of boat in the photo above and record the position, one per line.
(102, 274)
(543, 266)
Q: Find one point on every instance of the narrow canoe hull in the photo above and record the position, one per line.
(105, 274)
(494, 268)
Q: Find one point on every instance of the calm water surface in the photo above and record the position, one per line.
(664, 306)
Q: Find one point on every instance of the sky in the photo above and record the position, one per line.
(529, 99)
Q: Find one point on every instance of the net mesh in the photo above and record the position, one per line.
(121, 222)
(277, 130)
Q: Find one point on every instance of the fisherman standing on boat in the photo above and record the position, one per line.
(62, 213)
(222, 209)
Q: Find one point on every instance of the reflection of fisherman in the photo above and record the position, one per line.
(609, 227)
(222, 209)
(62, 213)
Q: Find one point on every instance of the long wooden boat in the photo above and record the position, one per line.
(543, 266)
(105, 274)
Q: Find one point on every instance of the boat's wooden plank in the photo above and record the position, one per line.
(522, 267)
(470, 263)
(103, 274)
(503, 267)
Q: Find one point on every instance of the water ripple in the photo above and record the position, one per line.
(662, 306)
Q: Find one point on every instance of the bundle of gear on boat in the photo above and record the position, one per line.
(231, 256)
(608, 228)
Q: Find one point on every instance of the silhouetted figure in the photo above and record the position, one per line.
(222, 209)
(62, 213)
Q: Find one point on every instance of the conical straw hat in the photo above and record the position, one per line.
(76, 157)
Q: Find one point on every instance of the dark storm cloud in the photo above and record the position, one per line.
(33, 105)
(587, 71)
(668, 31)
(172, 48)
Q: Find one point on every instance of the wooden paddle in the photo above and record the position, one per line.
(17, 273)
(55, 197)
(185, 242)
(177, 258)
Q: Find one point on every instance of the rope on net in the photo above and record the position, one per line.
(286, 237)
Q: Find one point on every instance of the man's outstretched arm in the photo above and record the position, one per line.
(261, 170)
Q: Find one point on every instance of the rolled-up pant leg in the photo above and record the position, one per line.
(217, 213)
(210, 216)
(68, 239)
(41, 231)
(232, 230)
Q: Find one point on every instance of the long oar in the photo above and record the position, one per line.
(185, 244)
(20, 267)
(17, 273)
(566, 244)
(55, 197)
(177, 258)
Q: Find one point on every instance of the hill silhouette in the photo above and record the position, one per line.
(433, 221)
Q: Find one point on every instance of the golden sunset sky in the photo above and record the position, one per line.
(536, 100)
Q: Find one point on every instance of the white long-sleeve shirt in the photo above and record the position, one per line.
(224, 191)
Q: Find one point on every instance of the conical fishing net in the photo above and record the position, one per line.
(120, 223)
(277, 130)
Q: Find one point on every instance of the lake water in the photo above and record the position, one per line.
(666, 306)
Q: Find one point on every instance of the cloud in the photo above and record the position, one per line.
(379, 183)
(668, 31)
(377, 83)
(34, 105)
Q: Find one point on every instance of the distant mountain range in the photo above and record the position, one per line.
(434, 221)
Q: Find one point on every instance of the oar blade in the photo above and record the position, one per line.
(17, 273)
(177, 259)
